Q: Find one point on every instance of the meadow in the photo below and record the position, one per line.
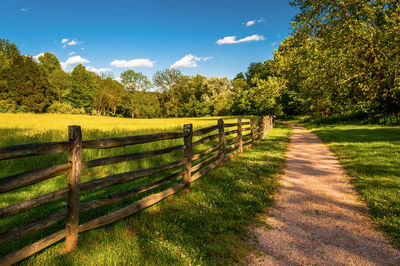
(31, 128)
(371, 156)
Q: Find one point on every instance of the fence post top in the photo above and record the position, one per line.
(187, 128)
(220, 121)
(74, 132)
(74, 126)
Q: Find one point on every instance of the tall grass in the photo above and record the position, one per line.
(31, 128)
(204, 227)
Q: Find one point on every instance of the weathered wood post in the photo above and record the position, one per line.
(260, 129)
(74, 180)
(252, 130)
(265, 126)
(221, 133)
(240, 135)
(187, 167)
(269, 124)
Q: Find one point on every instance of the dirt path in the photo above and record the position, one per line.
(318, 219)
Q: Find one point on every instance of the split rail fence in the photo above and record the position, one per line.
(223, 151)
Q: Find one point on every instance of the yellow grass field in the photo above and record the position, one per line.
(26, 128)
(33, 128)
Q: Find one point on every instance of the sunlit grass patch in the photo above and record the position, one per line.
(371, 156)
(205, 226)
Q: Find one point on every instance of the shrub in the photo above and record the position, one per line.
(8, 106)
(64, 108)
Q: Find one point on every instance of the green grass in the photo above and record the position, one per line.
(371, 156)
(205, 226)
(31, 128)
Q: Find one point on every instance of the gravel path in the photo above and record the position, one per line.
(317, 218)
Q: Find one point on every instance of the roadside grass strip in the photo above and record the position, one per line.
(205, 226)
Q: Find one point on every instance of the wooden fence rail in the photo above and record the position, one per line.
(190, 167)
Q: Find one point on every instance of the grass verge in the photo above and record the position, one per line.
(371, 156)
(205, 226)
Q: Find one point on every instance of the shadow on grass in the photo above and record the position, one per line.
(359, 135)
(205, 226)
(371, 155)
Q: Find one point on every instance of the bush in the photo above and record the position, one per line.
(8, 106)
(64, 108)
(77, 111)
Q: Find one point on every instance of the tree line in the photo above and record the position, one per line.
(341, 58)
(29, 85)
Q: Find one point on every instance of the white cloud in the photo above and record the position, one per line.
(72, 42)
(71, 53)
(99, 70)
(207, 58)
(232, 39)
(36, 57)
(23, 9)
(189, 60)
(250, 23)
(132, 63)
(69, 42)
(82, 48)
(73, 61)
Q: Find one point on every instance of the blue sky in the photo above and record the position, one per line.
(192, 35)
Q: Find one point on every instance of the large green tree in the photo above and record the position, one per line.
(83, 89)
(28, 84)
(167, 78)
(342, 57)
(58, 79)
(133, 82)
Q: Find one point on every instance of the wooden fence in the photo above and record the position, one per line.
(226, 150)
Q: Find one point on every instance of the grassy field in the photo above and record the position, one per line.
(27, 128)
(371, 156)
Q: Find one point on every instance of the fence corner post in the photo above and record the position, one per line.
(221, 133)
(240, 135)
(187, 167)
(74, 179)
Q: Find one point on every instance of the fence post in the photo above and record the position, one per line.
(74, 179)
(240, 135)
(252, 130)
(221, 133)
(187, 167)
(265, 124)
(269, 124)
(260, 129)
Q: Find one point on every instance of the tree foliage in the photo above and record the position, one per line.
(342, 57)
